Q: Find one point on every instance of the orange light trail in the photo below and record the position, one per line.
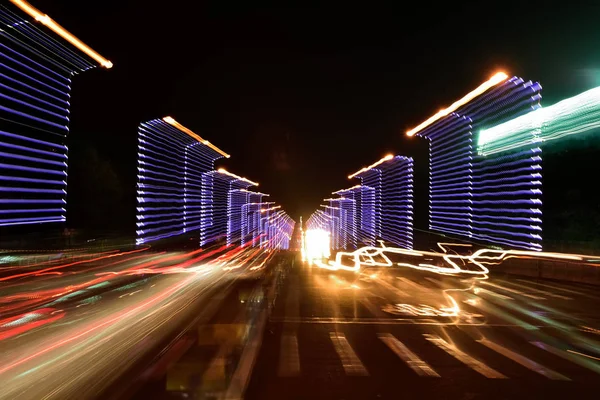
(172, 122)
(365, 169)
(109, 321)
(6, 278)
(484, 87)
(60, 31)
(241, 178)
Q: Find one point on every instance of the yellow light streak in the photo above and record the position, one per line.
(224, 171)
(346, 190)
(384, 159)
(172, 122)
(497, 78)
(469, 264)
(45, 20)
(263, 210)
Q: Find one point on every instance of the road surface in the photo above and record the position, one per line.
(400, 333)
(247, 324)
(71, 327)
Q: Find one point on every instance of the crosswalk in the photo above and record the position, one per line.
(290, 361)
(410, 358)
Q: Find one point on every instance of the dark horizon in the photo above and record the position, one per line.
(300, 98)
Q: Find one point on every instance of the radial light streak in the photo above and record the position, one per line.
(573, 116)
(107, 337)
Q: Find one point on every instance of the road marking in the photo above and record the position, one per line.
(515, 291)
(589, 329)
(559, 288)
(524, 361)
(386, 321)
(289, 358)
(376, 312)
(464, 358)
(584, 355)
(489, 308)
(435, 281)
(391, 288)
(414, 285)
(350, 361)
(410, 358)
(569, 356)
(241, 377)
(540, 291)
(485, 291)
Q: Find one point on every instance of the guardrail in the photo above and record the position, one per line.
(556, 270)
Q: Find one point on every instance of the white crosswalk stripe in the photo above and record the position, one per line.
(290, 365)
(466, 359)
(350, 361)
(289, 358)
(570, 356)
(524, 361)
(410, 358)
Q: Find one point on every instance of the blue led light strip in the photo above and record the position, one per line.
(495, 198)
(171, 164)
(344, 209)
(387, 201)
(215, 195)
(278, 228)
(36, 68)
(397, 201)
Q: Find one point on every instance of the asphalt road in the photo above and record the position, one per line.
(246, 324)
(71, 328)
(400, 333)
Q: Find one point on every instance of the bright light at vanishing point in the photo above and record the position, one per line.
(316, 245)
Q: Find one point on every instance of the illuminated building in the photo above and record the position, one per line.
(352, 203)
(343, 211)
(220, 213)
(39, 60)
(491, 199)
(387, 201)
(171, 163)
(319, 220)
(278, 228)
(215, 196)
(252, 215)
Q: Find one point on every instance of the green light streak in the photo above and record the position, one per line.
(572, 116)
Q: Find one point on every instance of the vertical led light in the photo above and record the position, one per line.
(37, 67)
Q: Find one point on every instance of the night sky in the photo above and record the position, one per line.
(300, 97)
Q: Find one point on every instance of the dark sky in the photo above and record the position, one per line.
(301, 97)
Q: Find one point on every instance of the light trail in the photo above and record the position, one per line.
(468, 264)
(87, 348)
